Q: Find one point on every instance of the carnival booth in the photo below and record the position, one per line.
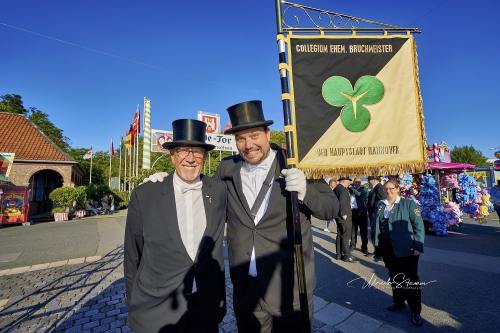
(445, 192)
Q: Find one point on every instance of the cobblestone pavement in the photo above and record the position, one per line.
(90, 298)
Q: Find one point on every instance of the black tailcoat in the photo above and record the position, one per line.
(158, 270)
(272, 237)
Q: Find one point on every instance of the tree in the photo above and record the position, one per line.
(468, 154)
(41, 120)
(14, 104)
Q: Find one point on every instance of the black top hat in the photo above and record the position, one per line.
(188, 132)
(246, 115)
(344, 178)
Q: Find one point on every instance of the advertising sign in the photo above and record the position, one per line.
(158, 138)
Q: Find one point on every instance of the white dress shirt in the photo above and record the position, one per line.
(190, 215)
(388, 208)
(354, 204)
(252, 178)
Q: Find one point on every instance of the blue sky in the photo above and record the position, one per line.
(89, 63)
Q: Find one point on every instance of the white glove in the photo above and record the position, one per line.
(295, 181)
(155, 177)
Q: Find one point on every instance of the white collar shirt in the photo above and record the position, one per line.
(252, 178)
(388, 208)
(191, 217)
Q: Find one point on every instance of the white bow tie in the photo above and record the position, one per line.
(191, 187)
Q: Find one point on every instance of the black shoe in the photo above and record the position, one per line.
(395, 307)
(365, 252)
(351, 260)
(377, 258)
(416, 319)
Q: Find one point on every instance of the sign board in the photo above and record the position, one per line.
(6, 161)
(222, 142)
(212, 121)
(158, 137)
(14, 206)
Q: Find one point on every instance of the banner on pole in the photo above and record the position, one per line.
(158, 138)
(356, 105)
(6, 161)
(212, 121)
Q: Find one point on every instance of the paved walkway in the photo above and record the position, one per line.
(82, 288)
(89, 297)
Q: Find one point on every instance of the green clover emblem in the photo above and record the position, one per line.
(338, 91)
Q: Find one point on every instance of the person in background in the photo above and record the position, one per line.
(332, 183)
(495, 197)
(399, 239)
(344, 221)
(375, 195)
(174, 261)
(359, 196)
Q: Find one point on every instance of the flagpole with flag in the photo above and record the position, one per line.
(125, 166)
(111, 155)
(120, 165)
(86, 156)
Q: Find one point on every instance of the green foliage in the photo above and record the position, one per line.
(278, 137)
(337, 91)
(97, 191)
(59, 210)
(12, 103)
(81, 197)
(468, 154)
(63, 197)
(121, 199)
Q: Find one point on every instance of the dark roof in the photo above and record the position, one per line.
(20, 136)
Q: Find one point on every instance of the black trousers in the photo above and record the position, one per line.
(403, 272)
(190, 322)
(343, 237)
(252, 315)
(359, 221)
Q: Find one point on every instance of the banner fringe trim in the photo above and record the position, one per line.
(368, 170)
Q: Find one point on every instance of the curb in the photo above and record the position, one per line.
(38, 267)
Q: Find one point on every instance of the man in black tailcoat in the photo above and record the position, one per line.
(174, 265)
(260, 240)
(375, 195)
(344, 221)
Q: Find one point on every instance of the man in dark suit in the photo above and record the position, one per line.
(344, 221)
(375, 195)
(260, 236)
(359, 215)
(174, 265)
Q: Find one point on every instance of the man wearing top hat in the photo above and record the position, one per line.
(260, 225)
(344, 221)
(376, 195)
(259, 228)
(174, 265)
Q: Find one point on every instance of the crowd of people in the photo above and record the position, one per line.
(396, 231)
(174, 262)
(102, 207)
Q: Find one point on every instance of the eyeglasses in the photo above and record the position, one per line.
(183, 152)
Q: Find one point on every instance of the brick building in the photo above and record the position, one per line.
(38, 163)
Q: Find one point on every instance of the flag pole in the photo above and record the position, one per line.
(109, 175)
(91, 156)
(125, 167)
(120, 167)
(287, 115)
